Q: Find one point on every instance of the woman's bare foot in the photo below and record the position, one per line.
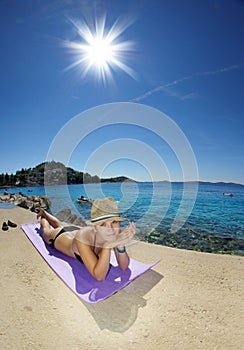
(41, 213)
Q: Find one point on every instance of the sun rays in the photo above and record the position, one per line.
(100, 51)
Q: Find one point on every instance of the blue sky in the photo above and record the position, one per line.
(187, 62)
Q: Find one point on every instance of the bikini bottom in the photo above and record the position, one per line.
(64, 229)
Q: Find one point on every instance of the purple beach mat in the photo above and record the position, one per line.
(75, 274)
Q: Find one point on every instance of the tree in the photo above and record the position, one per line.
(2, 180)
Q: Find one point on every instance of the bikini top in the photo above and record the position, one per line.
(69, 229)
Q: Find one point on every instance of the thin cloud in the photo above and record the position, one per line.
(180, 80)
(190, 96)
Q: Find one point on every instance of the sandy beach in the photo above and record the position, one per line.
(189, 300)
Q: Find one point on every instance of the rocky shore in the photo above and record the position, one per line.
(34, 203)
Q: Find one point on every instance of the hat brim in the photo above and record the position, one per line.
(100, 221)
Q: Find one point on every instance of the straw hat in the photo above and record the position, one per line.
(104, 210)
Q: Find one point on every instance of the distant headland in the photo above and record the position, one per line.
(53, 173)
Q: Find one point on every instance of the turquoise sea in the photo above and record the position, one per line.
(184, 215)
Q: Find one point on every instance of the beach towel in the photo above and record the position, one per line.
(75, 274)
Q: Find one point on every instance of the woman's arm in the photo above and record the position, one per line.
(120, 251)
(122, 257)
(98, 268)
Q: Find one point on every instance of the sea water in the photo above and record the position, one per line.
(184, 215)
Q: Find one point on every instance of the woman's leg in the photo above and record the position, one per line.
(54, 222)
(48, 220)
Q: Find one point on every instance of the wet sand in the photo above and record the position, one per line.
(189, 300)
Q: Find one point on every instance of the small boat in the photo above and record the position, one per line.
(84, 200)
(228, 194)
(80, 201)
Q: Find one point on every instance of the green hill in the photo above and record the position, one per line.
(52, 173)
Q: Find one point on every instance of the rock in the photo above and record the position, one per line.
(45, 202)
(33, 203)
(67, 216)
(63, 214)
(79, 222)
(22, 203)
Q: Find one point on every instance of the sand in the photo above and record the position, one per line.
(189, 300)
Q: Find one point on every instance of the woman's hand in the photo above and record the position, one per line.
(123, 237)
(127, 234)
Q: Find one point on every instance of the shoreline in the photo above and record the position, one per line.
(197, 241)
(189, 300)
(199, 182)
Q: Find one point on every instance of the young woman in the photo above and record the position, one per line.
(92, 244)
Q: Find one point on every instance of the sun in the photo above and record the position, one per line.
(99, 50)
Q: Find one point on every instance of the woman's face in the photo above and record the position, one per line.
(109, 230)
